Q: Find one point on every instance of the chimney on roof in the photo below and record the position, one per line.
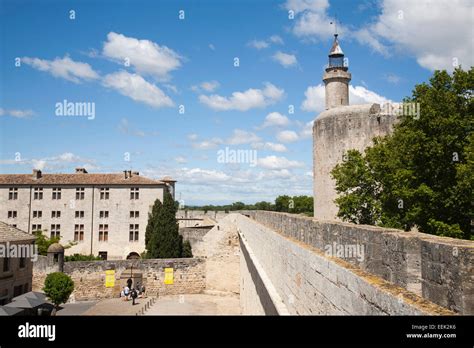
(36, 174)
(127, 174)
(135, 173)
(81, 170)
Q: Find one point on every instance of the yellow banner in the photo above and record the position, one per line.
(110, 278)
(169, 279)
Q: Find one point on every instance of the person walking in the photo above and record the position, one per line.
(126, 292)
(134, 295)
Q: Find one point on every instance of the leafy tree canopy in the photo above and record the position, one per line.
(423, 173)
(58, 287)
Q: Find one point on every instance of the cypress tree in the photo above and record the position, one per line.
(152, 221)
(187, 252)
(165, 241)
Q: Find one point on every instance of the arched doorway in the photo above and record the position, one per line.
(133, 256)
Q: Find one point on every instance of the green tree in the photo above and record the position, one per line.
(282, 203)
(302, 204)
(187, 252)
(263, 206)
(44, 242)
(422, 174)
(81, 257)
(152, 221)
(237, 206)
(165, 241)
(58, 287)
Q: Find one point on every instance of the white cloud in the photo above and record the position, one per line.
(275, 119)
(361, 95)
(17, 113)
(435, 32)
(243, 101)
(240, 136)
(258, 44)
(60, 161)
(287, 136)
(315, 97)
(307, 131)
(135, 87)
(146, 57)
(208, 86)
(198, 175)
(367, 37)
(261, 44)
(192, 136)
(274, 162)
(126, 128)
(171, 87)
(65, 68)
(285, 59)
(269, 146)
(208, 144)
(312, 21)
(393, 78)
(238, 182)
(276, 39)
(180, 159)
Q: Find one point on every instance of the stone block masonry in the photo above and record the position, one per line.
(89, 276)
(439, 269)
(281, 275)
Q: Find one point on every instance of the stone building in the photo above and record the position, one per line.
(16, 268)
(103, 214)
(339, 128)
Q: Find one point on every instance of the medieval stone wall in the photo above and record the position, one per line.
(292, 277)
(89, 276)
(439, 269)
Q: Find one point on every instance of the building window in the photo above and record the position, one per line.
(103, 255)
(18, 290)
(134, 214)
(38, 193)
(78, 233)
(103, 233)
(6, 264)
(104, 214)
(56, 193)
(12, 214)
(79, 214)
(55, 231)
(134, 193)
(133, 236)
(104, 193)
(13, 193)
(22, 262)
(80, 193)
(36, 227)
(55, 214)
(37, 214)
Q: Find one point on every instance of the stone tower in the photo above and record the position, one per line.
(339, 128)
(336, 78)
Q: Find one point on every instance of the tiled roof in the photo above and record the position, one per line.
(76, 179)
(13, 234)
(336, 50)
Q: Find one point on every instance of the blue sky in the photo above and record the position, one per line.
(138, 62)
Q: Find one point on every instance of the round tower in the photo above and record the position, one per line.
(339, 128)
(336, 78)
